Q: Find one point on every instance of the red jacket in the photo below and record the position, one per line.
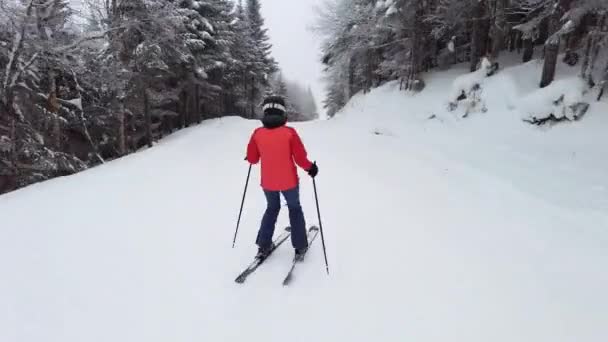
(278, 148)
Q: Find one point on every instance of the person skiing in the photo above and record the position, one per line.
(278, 146)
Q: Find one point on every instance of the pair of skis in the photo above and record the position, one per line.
(311, 235)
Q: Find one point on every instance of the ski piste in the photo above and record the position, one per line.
(258, 261)
(312, 234)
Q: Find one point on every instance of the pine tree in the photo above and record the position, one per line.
(263, 65)
(33, 117)
(260, 37)
(311, 105)
(141, 68)
(243, 65)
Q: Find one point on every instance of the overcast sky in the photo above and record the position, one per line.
(294, 47)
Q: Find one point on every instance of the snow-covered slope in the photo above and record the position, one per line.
(450, 229)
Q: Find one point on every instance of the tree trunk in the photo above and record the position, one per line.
(198, 104)
(182, 106)
(412, 77)
(252, 98)
(595, 51)
(416, 38)
(147, 117)
(351, 77)
(14, 139)
(57, 133)
(498, 31)
(544, 31)
(188, 105)
(512, 41)
(175, 120)
(604, 83)
(553, 43)
(551, 52)
(53, 107)
(528, 50)
(369, 70)
(122, 140)
(585, 66)
(592, 49)
(85, 129)
(519, 41)
(477, 36)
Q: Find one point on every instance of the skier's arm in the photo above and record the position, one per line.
(253, 154)
(299, 152)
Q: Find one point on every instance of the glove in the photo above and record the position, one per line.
(313, 171)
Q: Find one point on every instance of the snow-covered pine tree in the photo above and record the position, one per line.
(557, 24)
(34, 119)
(278, 86)
(449, 22)
(161, 50)
(408, 46)
(593, 17)
(352, 45)
(260, 37)
(242, 66)
(71, 99)
(223, 18)
(214, 56)
(263, 65)
(299, 101)
(310, 105)
(302, 100)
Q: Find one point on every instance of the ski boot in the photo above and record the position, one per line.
(263, 253)
(300, 253)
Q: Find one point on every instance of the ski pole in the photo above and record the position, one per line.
(242, 202)
(314, 183)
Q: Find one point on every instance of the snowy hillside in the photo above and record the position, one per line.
(483, 228)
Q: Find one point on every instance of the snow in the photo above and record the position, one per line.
(478, 229)
(208, 25)
(542, 102)
(451, 47)
(201, 72)
(77, 102)
(530, 29)
(465, 83)
(514, 92)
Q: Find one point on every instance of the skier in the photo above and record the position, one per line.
(278, 146)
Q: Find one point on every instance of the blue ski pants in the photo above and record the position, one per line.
(296, 218)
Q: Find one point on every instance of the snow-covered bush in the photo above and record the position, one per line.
(466, 96)
(563, 100)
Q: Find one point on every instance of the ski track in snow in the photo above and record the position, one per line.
(484, 229)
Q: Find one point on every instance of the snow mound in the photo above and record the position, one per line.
(466, 96)
(513, 93)
(562, 99)
(462, 85)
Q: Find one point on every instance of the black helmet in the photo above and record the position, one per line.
(274, 112)
(274, 104)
